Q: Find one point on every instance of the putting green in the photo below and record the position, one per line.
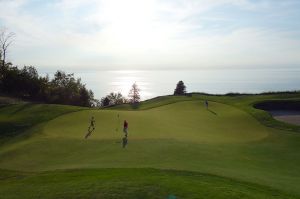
(223, 141)
(182, 121)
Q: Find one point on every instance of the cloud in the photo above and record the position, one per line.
(143, 34)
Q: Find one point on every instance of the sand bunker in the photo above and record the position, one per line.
(284, 110)
(292, 117)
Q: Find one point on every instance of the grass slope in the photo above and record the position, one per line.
(130, 184)
(224, 141)
(16, 118)
(247, 103)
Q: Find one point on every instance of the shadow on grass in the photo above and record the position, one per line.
(212, 112)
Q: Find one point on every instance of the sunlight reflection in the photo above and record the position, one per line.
(124, 79)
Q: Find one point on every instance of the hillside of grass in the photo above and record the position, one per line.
(245, 102)
(248, 103)
(222, 152)
(17, 118)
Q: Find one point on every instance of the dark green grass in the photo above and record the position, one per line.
(17, 118)
(129, 184)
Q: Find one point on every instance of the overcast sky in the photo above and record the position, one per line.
(152, 34)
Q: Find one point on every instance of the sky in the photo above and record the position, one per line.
(153, 34)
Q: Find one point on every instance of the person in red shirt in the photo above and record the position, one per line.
(125, 129)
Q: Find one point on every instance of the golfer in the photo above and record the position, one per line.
(92, 125)
(125, 128)
(206, 104)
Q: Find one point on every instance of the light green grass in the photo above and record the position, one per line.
(224, 141)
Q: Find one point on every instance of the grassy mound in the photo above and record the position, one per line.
(16, 118)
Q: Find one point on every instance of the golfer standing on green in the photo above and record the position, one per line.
(91, 127)
(125, 129)
(206, 104)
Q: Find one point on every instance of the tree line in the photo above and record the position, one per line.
(27, 84)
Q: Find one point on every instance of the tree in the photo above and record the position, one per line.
(134, 94)
(85, 97)
(180, 89)
(65, 89)
(95, 103)
(113, 99)
(116, 98)
(6, 40)
(26, 83)
(105, 101)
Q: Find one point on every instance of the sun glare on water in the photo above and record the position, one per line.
(124, 79)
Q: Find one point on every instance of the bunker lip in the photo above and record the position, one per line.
(283, 110)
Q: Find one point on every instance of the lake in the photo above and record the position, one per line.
(163, 82)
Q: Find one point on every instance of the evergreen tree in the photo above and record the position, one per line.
(134, 94)
(180, 89)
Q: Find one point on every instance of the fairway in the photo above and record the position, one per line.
(224, 141)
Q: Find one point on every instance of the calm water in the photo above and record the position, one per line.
(162, 82)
